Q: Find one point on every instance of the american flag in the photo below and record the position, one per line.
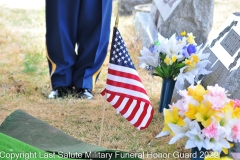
(124, 89)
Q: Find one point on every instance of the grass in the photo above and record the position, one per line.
(25, 84)
(31, 63)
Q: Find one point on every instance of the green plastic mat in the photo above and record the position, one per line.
(12, 148)
(36, 133)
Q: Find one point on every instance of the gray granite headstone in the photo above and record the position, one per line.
(145, 29)
(194, 16)
(225, 57)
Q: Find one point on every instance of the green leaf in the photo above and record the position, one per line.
(162, 56)
(159, 72)
(179, 65)
(165, 69)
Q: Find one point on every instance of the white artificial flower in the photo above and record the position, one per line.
(227, 123)
(195, 136)
(160, 38)
(180, 131)
(182, 76)
(148, 58)
(215, 136)
(191, 74)
(172, 47)
(203, 61)
(161, 134)
(211, 144)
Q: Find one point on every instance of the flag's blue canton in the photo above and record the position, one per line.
(119, 51)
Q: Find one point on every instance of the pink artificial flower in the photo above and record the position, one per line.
(183, 93)
(236, 103)
(211, 131)
(182, 106)
(236, 132)
(216, 96)
(183, 103)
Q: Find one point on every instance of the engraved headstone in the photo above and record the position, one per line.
(194, 16)
(166, 7)
(224, 52)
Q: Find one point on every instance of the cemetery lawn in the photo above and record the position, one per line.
(25, 84)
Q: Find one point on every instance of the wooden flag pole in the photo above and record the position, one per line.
(116, 21)
(104, 105)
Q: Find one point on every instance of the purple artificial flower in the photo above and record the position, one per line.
(185, 52)
(152, 48)
(179, 38)
(149, 68)
(191, 49)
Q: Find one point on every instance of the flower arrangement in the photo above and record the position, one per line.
(207, 118)
(176, 58)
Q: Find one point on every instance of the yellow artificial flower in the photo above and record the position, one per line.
(191, 66)
(191, 62)
(198, 93)
(190, 38)
(204, 114)
(225, 150)
(167, 60)
(174, 58)
(195, 58)
(183, 33)
(188, 62)
(229, 107)
(192, 110)
(236, 113)
(172, 116)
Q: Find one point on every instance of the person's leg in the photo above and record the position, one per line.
(93, 38)
(61, 36)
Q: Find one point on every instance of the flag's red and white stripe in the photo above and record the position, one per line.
(125, 92)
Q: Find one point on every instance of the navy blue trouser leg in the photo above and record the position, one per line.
(82, 22)
(93, 38)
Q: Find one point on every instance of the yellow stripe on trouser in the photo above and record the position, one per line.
(94, 77)
(54, 66)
